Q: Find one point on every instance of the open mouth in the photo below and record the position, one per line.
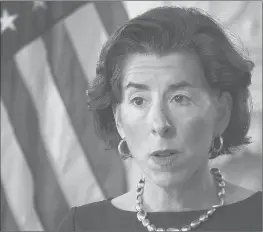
(165, 158)
(164, 155)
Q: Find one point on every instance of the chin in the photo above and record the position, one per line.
(167, 179)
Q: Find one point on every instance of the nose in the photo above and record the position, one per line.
(160, 123)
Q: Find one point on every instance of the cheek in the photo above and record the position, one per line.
(134, 129)
(131, 122)
(195, 127)
(196, 132)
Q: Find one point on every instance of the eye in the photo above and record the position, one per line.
(138, 101)
(181, 99)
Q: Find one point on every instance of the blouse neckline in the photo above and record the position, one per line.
(185, 212)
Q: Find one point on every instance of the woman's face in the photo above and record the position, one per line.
(167, 104)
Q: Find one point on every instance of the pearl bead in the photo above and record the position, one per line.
(186, 228)
(221, 184)
(203, 217)
(151, 227)
(160, 229)
(145, 222)
(211, 211)
(195, 223)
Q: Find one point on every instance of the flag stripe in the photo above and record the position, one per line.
(16, 177)
(8, 221)
(49, 201)
(112, 14)
(87, 49)
(65, 152)
(71, 83)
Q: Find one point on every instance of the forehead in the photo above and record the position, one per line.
(178, 66)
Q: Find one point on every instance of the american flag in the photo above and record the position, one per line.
(51, 158)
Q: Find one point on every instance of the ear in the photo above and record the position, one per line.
(224, 110)
(118, 120)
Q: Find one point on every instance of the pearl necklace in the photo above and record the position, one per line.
(142, 214)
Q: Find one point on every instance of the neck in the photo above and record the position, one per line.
(197, 193)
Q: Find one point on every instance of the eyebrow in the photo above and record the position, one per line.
(179, 85)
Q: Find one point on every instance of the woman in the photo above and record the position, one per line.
(171, 93)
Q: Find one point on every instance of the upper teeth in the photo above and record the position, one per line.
(166, 154)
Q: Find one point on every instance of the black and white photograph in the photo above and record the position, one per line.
(131, 116)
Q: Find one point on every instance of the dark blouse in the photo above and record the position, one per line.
(245, 215)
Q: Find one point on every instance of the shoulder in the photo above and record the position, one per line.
(236, 193)
(94, 207)
(248, 212)
(256, 200)
(242, 215)
(252, 207)
(84, 216)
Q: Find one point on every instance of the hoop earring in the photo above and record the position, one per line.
(214, 152)
(123, 155)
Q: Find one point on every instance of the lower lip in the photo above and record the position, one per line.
(164, 161)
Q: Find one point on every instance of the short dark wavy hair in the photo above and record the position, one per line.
(162, 31)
